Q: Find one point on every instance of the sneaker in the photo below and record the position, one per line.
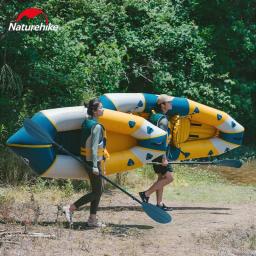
(68, 213)
(95, 223)
(164, 207)
(143, 197)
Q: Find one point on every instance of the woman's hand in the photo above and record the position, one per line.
(95, 171)
(164, 162)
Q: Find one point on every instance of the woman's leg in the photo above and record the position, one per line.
(97, 189)
(93, 197)
(69, 209)
(96, 192)
(83, 200)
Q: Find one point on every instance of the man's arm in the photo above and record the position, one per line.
(163, 124)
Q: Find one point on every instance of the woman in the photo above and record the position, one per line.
(93, 143)
(163, 170)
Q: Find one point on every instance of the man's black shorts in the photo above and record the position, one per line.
(159, 169)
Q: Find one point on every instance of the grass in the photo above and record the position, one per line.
(23, 193)
(195, 184)
(207, 185)
(218, 193)
(252, 242)
(191, 184)
(232, 241)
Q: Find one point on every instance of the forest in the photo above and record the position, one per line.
(203, 50)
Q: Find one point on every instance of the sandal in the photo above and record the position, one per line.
(164, 207)
(143, 197)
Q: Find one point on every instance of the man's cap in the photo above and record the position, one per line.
(164, 98)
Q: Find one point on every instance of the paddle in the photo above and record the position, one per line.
(154, 212)
(226, 162)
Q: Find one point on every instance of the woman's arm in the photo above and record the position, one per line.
(96, 134)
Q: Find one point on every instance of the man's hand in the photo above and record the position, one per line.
(95, 171)
(164, 162)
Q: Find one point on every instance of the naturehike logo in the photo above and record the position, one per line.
(32, 13)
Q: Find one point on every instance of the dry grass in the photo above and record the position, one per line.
(234, 241)
(129, 231)
(206, 220)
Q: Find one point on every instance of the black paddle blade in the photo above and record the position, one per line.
(229, 163)
(36, 131)
(156, 213)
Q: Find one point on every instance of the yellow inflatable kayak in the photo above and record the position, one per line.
(195, 131)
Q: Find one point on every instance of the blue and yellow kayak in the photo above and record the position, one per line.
(195, 131)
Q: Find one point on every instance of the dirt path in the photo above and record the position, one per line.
(197, 229)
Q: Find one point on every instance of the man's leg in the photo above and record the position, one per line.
(159, 192)
(159, 184)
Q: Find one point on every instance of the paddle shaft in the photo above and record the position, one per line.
(227, 162)
(87, 167)
(184, 163)
(126, 192)
(154, 212)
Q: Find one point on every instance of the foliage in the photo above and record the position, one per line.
(12, 169)
(230, 31)
(203, 50)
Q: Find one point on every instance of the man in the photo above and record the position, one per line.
(165, 103)
(163, 170)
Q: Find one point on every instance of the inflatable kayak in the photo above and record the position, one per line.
(195, 131)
